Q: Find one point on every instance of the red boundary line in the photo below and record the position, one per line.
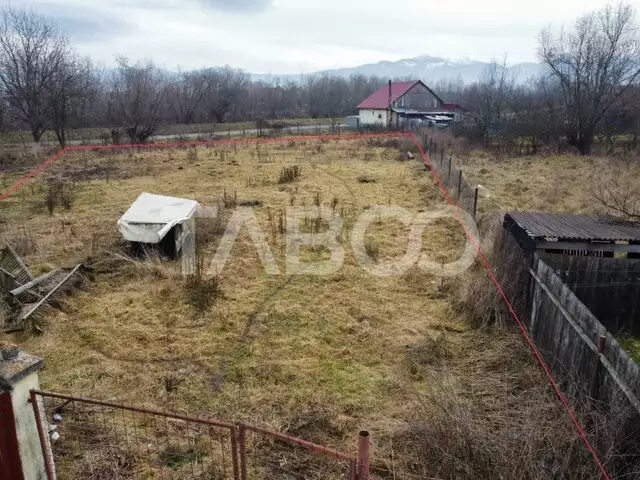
(572, 415)
(487, 267)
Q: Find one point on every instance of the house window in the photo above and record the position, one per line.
(379, 115)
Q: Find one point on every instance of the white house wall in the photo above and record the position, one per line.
(373, 116)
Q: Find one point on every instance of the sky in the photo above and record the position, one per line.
(302, 36)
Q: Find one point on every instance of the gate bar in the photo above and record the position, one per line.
(48, 460)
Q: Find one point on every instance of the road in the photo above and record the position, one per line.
(220, 134)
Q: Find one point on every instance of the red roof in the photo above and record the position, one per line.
(380, 99)
(452, 107)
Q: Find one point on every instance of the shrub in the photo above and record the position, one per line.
(372, 248)
(201, 292)
(57, 194)
(192, 154)
(366, 179)
(229, 201)
(24, 243)
(289, 174)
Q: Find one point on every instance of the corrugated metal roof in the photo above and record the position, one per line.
(566, 226)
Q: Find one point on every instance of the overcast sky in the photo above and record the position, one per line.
(296, 36)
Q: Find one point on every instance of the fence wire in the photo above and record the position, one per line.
(266, 455)
(462, 193)
(93, 439)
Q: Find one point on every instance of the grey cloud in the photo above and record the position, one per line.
(239, 6)
(92, 30)
(83, 24)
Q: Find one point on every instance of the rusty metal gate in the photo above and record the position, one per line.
(87, 438)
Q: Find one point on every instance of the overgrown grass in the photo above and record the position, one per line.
(318, 356)
(542, 183)
(289, 174)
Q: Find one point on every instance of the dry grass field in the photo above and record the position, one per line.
(316, 356)
(555, 183)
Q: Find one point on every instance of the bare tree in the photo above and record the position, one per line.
(620, 194)
(32, 51)
(532, 122)
(489, 100)
(137, 96)
(226, 86)
(593, 66)
(188, 93)
(68, 96)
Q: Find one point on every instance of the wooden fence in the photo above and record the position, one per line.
(609, 287)
(580, 348)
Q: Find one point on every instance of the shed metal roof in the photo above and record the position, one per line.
(567, 227)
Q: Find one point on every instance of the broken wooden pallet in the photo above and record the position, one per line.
(61, 283)
(13, 267)
(30, 297)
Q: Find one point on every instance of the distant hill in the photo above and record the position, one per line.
(425, 68)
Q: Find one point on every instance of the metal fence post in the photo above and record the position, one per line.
(459, 185)
(442, 154)
(353, 466)
(46, 452)
(449, 174)
(364, 450)
(475, 202)
(234, 453)
(242, 433)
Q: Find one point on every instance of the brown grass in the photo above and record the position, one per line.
(320, 357)
(543, 183)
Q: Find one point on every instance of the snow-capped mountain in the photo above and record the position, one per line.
(425, 68)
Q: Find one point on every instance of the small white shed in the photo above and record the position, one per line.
(158, 219)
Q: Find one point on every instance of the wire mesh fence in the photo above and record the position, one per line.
(84, 438)
(87, 438)
(265, 454)
(462, 193)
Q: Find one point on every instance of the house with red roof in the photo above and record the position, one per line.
(401, 102)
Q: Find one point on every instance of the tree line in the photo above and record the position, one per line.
(46, 85)
(588, 90)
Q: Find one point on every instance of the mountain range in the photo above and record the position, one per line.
(425, 68)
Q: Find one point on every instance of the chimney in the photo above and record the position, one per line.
(390, 118)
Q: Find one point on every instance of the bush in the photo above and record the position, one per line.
(366, 179)
(289, 174)
(201, 292)
(372, 248)
(58, 194)
(24, 243)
